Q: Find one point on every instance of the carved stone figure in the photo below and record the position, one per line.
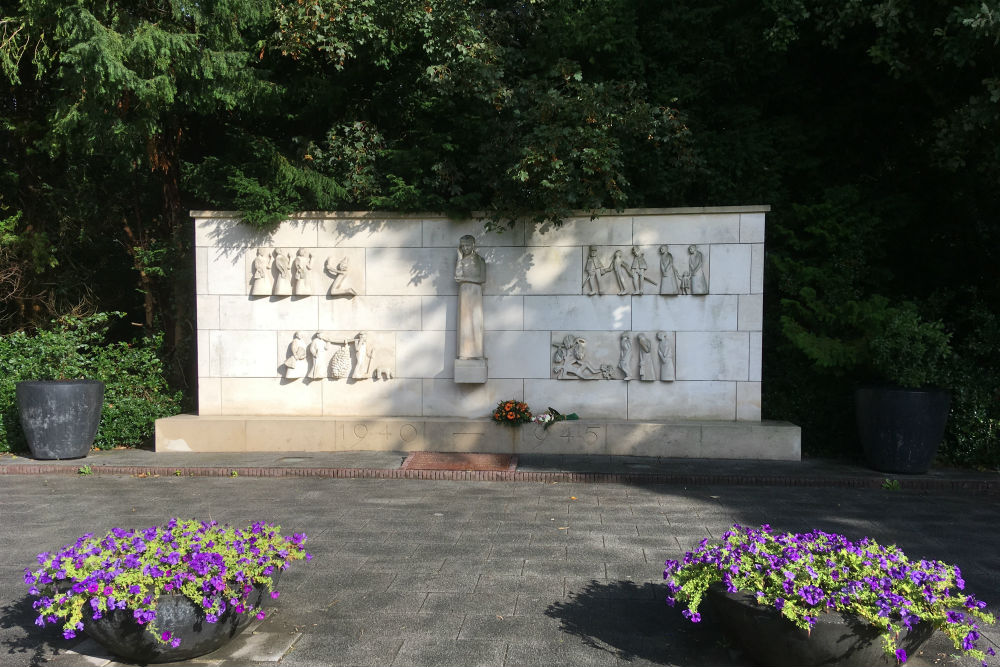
(339, 274)
(283, 273)
(638, 271)
(317, 352)
(625, 360)
(470, 274)
(696, 269)
(668, 274)
(300, 273)
(570, 358)
(592, 271)
(646, 371)
(362, 367)
(295, 364)
(260, 280)
(665, 351)
(622, 273)
(580, 362)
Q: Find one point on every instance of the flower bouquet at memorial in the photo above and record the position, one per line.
(512, 413)
(166, 592)
(551, 416)
(856, 598)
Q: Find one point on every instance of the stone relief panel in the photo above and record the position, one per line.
(339, 355)
(304, 271)
(260, 274)
(301, 273)
(627, 271)
(295, 360)
(665, 350)
(341, 273)
(646, 356)
(281, 269)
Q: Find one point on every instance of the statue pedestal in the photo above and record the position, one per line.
(470, 371)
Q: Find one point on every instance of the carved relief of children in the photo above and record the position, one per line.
(283, 278)
(363, 366)
(622, 273)
(317, 353)
(646, 371)
(300, 273)
(668, 274)
(260, 281)
(696, 267)
(580, 362)
(592, 271)
(625, 360)
(665, 352)
(295, 364)
(339, 275)
(639, 267)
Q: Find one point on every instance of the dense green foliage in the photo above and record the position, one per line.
(869, 127)
(135, 390)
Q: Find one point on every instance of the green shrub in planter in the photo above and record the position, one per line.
(135, 395)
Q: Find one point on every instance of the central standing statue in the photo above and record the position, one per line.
(470, 274)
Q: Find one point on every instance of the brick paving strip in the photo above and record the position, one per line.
(460, 461)
(435, 466)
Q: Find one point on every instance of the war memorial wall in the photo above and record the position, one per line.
(354, 331)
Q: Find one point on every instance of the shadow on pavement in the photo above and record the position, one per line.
(35, 644)
(632, 622)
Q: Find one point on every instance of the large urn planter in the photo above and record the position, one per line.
(901, 429)
(837, 639)
(120, 633)
(60, 418)
(164, 593)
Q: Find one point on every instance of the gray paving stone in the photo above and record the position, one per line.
(353, 603)
(565, 652)
(510, 628)
(258, 646)
(349, 614)
(458, 653)
(496, 567)
(482, 602)
(339, 651)
(565, 567)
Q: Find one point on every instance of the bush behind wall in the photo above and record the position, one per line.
(135, 395)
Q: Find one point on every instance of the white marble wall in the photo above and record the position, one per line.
(402, 270)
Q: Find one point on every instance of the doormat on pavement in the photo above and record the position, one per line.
(459, 461)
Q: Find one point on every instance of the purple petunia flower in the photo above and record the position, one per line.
(900, 655)
(693, 616)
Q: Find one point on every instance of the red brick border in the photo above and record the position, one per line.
(952, 485)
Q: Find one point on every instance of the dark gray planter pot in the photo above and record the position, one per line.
(837, 639)
(901, 429)
(60, 418)
(122, 636)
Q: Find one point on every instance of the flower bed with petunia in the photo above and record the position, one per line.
(803, 575)
(217, 567)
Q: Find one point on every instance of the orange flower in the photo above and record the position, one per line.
(510, 415)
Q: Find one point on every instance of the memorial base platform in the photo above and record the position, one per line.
(771, 440)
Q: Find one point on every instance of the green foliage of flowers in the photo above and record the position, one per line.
(214, 566)
(803, 575)
(135, 390)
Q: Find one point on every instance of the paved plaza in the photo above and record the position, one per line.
(471, 573)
